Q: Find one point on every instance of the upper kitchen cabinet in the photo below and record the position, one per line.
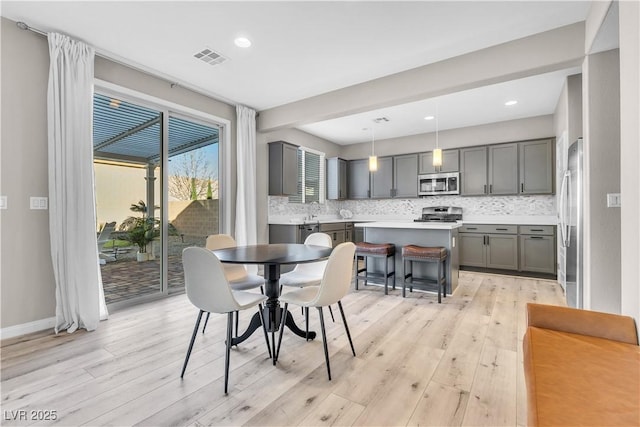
(382, 179)
(358, 179)
(405, 176)
(503, 169)
(536, 167)
(336, 179)
(283, 169)
(450, 162)
(473, 171)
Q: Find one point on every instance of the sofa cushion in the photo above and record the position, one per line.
(577, 379)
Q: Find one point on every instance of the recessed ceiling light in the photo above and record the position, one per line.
(242, 42)
(510, 103)
(429, 117)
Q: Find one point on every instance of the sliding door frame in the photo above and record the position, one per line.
(167, 109)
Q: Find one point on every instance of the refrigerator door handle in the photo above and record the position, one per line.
(568, 224)
(563, 209)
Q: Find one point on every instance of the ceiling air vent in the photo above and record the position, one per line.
(210, 57)
(381, 120)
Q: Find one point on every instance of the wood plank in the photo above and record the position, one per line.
(492, 399)
(333, 411)
(441, 405)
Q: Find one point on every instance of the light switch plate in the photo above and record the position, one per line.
(613, 200)
(3, 202)
(40, 203)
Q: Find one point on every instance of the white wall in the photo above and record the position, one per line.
(601, 115)
(630, 156)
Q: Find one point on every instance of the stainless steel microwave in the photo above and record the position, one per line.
(437, 184)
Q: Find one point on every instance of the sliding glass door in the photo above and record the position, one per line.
(194, 204)
(149, 209)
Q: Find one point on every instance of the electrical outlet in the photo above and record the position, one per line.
(613, 200)
(39, 203)
(3, 202)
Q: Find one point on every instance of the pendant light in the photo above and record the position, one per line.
(373, 159)
(437, 152)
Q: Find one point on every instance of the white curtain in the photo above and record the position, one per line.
(74, 252)
(246, 215)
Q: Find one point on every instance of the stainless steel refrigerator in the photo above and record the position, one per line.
(571, 224)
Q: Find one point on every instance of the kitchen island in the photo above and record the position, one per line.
(402, 233)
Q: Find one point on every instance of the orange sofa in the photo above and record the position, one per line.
(581, 368)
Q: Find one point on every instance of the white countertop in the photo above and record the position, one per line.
(411, 225)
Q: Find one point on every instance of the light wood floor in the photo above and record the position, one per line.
(418, 363)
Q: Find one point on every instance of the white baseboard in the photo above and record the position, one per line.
(27, 328)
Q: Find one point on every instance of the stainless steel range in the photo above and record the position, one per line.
(440, 214)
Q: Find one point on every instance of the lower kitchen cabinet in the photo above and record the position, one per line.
(508, 247)
(538, 249)
(478, 249)
(502, 251)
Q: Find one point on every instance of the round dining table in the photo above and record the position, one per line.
(272, 256)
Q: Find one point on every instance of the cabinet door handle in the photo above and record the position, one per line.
(502, 229)
(490, 188)
(536, 237)
(472, 228)
(537, 229)
(522, 187)
(484, 190)
(484, 240)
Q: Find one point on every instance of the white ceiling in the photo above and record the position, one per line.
(301, 49)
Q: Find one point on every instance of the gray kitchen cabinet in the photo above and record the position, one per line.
(283, 169)
(473, 171)
(537, 249)
(349, 235)
(336, 179)
(503, 169)
(489, 246)
(502, 251)
(335, 230)
(536, 162)
(405, 176)
(472, 251)
(382, 179)
(450, 162)
(358, 179)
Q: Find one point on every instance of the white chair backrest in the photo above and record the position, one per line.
(222, 241)
(315, 268)
(337, 276)
(205, 281)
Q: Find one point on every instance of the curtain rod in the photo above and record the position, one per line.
(24, 26)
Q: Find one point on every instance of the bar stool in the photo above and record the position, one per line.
(414, 253)
(376, 250)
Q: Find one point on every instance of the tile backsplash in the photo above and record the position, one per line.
(471, 206)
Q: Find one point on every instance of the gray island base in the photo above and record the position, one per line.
(415, 233)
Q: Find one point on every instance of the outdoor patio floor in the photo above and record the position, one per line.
(126, 279)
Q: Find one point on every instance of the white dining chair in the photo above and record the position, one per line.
(209, 290)
(308, 274)
(333, 286)
(237, 275)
